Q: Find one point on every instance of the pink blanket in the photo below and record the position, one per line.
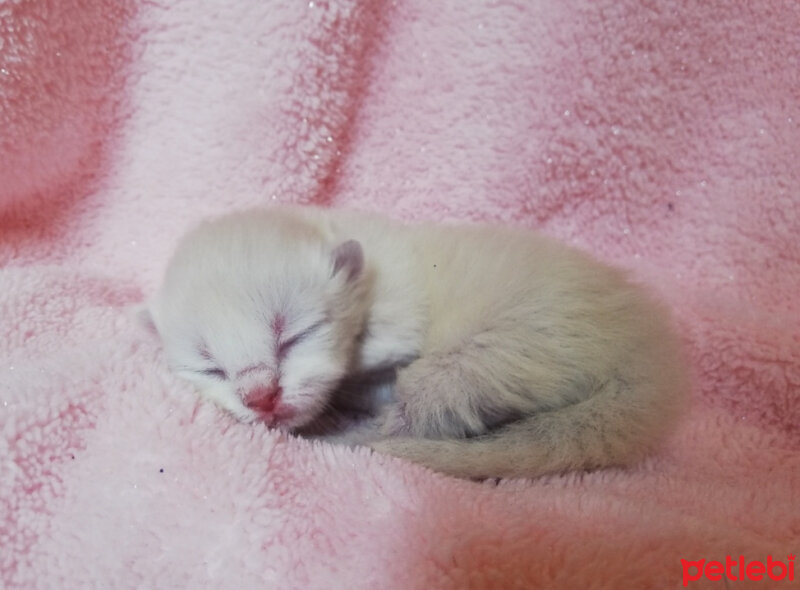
(661, 135)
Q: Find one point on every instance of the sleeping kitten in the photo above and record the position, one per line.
(477, 351)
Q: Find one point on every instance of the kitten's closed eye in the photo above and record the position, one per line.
(283, 347)
(191, 372)
(216, 373)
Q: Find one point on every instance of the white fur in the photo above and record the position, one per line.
(515, 355)
(223, 289)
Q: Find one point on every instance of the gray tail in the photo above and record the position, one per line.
(614, 427)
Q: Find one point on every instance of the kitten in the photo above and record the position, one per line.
(478, 351)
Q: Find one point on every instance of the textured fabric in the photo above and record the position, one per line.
(663, 136)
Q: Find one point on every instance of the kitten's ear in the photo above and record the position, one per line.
(144, 318)
(348, 257)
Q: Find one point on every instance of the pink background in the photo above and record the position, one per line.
(662, 136)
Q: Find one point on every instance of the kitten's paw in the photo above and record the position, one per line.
(415, 419)
(432, 405)
(395, 421)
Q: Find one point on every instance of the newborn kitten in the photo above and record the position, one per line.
(508, 354)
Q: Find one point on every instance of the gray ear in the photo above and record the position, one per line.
(145, 318)
(348, 257)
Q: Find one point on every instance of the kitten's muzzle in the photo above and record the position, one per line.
(263, 398)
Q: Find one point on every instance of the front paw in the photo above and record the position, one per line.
(419, 418)
(395, 421)
(433, 405)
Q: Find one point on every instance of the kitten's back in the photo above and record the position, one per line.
(596, 354)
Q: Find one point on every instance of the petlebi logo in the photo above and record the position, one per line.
(738, 569)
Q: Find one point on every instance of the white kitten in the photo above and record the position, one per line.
(513, 355)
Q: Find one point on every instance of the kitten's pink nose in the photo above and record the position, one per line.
(263, 398)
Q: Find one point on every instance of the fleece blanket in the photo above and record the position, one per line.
(660, 135)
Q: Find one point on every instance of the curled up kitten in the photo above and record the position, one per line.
(477, 351)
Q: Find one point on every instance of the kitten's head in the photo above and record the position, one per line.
(262, 311)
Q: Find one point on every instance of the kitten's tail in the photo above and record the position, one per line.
(614, 427)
